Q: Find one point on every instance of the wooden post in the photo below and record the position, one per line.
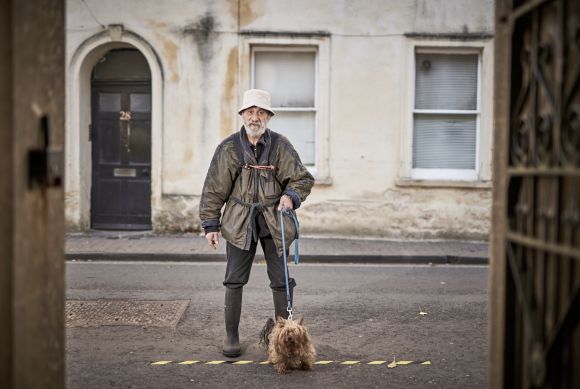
(32, 54)
(6, 198)
(497, 269)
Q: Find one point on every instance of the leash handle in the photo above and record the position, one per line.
(296, 254)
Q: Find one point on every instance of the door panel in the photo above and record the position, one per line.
(140, 102)
(121, 183)
(136, 193)
(110, 141)
(140, 142)
(111, 195)
(109, 102)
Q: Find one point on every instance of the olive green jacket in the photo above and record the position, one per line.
(226, 177)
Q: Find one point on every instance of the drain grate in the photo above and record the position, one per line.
(79, 313)
(102, 312)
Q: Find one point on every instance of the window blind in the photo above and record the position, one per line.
(298, 127)
(287, 76)
(444, 141)
(446, 81)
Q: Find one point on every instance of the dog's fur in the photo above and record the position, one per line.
(288, 344)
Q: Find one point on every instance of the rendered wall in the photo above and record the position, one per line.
(202, 86)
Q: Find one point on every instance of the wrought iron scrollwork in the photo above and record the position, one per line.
(521, 142)
(571, 137)
(544, 139)
(543, 238)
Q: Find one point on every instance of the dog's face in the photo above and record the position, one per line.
(290, 337)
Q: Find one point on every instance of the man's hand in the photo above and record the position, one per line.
(286, 201)
(212, 238)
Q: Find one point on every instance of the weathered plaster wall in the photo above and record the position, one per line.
(201, 86)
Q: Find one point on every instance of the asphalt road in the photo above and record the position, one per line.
(353, 312)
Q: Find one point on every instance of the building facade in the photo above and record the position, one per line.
(388, 103)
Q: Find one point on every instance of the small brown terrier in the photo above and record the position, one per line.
(288, 344)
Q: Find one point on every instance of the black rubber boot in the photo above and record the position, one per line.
(233, 309)
(281, 303)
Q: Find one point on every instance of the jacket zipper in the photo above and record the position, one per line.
(255, 176)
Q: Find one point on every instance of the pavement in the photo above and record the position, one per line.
(139, 246)
(355, 313)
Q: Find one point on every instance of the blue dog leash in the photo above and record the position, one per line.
(289, 309)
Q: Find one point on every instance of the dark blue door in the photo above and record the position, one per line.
(121, 145)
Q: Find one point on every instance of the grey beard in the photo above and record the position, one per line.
(259, 132)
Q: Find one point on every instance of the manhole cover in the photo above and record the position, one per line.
(124, 313)
(79, 313)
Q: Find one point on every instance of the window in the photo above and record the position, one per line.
(289, 76)
(446, 115)
(295, 70)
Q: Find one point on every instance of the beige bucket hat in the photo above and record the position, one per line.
(258, 98)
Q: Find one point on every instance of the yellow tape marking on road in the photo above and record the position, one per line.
(316, 363)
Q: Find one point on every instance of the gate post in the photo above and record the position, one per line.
(497, 268)
(32, 283)
(6, 197)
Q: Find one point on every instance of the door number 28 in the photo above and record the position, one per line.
(125, 115)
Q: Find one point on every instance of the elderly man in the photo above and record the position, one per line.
(254, 173)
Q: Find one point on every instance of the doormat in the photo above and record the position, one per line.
(104, 312)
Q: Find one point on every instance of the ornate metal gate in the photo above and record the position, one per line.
(536, 245)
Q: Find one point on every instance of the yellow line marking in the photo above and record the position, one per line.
(266, 362)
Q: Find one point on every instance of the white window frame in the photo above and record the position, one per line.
(484, 115)
(321, 46)
(297, 49)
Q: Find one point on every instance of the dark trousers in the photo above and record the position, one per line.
(240, 264)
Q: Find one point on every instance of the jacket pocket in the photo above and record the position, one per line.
(270, 186)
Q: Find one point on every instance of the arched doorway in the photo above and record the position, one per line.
(120, 138)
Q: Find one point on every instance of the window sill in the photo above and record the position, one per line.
(443, 183)
(322, 181)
